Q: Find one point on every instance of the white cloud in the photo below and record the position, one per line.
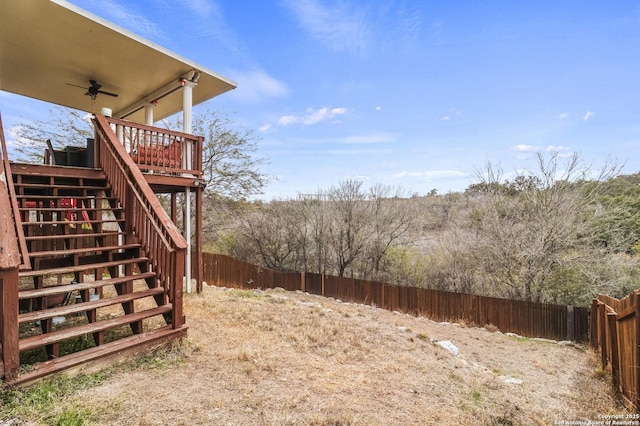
(445, 118)
(312, 116)
(266, 128)
(285, 120)
(563, 115)
(337, 27)
(524, 151)
(559, 148)
(378, 108)
(525, 148)
(256, 85)
(588, 116)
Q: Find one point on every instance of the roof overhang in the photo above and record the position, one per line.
(47, 46)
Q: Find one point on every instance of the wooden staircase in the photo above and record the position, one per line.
(90, 287)
(91, 266)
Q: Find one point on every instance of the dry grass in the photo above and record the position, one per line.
(278, 358)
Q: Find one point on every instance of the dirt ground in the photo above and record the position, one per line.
(284, 358)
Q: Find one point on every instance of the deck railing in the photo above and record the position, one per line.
(147, 221)
(10, 261)
(25, 263)
(160, 150)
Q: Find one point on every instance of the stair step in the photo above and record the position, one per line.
(72, 222)
(38, 197)
(57, 336)
(52, 170)
(128, 345)
(67, 209)
(61, 187)
(78, 268)
(65, 310)
(60, 289)
(56, 253)
(68, 236)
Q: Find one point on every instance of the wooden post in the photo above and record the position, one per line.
(602, 318)
(177, 319)
(174, 208)
(636, 370)
(303, 283)
(593, 322)
(611, 320)
(322, 284)
(97, 141)
(9, 336)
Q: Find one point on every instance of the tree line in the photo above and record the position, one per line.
(561, 233)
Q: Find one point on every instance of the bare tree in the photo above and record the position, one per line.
(392, 221)
(315, 215)
(347, 233)
(230, 162)
(272, 231)
(531, 231)
(63, 127)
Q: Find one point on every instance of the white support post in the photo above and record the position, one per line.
(187, 108)
(148, 114)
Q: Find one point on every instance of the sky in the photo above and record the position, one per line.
(414, 94)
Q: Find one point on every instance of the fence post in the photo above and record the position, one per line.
(322, 283)
(602, 318)
(593, 322)
(303, 282)
(612, 319)
(637, 349)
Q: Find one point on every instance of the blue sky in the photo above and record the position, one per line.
(419, 94)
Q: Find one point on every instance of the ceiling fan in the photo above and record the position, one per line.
(94, 90)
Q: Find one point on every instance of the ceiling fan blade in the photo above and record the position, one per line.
(75, 85)
(108, 93)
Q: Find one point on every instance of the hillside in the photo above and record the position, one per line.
(277, 358)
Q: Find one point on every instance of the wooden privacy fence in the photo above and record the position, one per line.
(524, 318)
(615, 331)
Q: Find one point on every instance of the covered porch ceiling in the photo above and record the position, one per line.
(48, 47)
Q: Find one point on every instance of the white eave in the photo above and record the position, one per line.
(47, 46)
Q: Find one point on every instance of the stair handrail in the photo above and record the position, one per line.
(154, 229)
(16, 241)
